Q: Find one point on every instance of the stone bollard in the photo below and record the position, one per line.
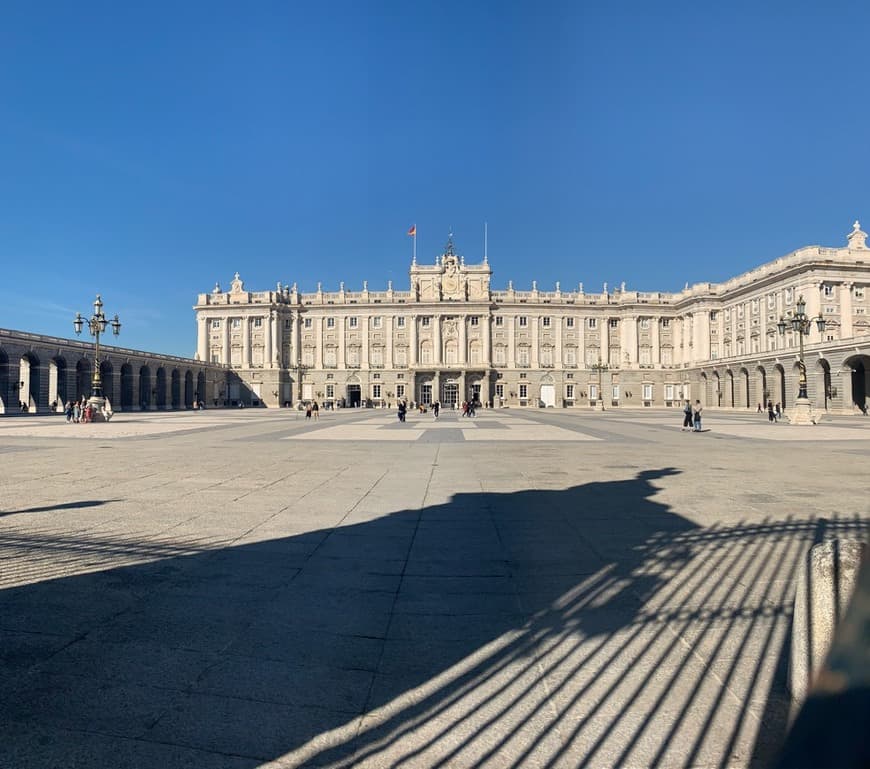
(823, 590)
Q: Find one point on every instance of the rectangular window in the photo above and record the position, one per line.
(592, 322)
(859, 292)
(237, 323)
(307, 323)
(666, 322)
(830, 310)
(829, 290)
(647, 392)
(474, 320)
(499, 320)
(614, 323)
(400, 391)
(215, 357)
(499, 390)
(523, 321)
(524, 391)
(288, 322)
(424, 321)
(545, 322)
(789, 295)
(593, 392)
(376, 391)
(569, 322)
(330, 391)
(353, 322)
(258, 323)
(330, 322)
(614, 392)
(644, 323)
(400, 322)
(523, 357)
(216, 323)
(569, 392)
(376, 321)
(669, 392)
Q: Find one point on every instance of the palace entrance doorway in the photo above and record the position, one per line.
(450, 395)
(354, 395)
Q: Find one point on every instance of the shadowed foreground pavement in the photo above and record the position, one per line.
(239, 595)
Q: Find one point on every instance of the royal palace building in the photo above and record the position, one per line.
(452, 337)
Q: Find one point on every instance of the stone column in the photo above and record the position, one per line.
(604, 336)
(413, 346)
(342, 356)
(846, 311)
(436, 340)
(512, 342)
(655, 341)
(267, 341)
(364, 353)
(225, 351)
(246, 342)
(202, 337)
(535, 361)
(388, 352)
(318, 343)
(628, 339)
(277, 338)
(486, 355)
(463, 340)
(557, 357)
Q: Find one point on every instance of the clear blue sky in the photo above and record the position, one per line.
(147, 152)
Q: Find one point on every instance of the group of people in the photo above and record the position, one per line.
(312, 409)
(82, 411)
(468, 408)
(692, 416)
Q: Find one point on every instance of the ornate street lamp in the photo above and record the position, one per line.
(599, 367)
(798, 321)
(97, 325)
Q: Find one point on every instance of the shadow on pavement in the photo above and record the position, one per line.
(585, 627)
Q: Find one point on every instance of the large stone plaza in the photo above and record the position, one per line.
(245, 588)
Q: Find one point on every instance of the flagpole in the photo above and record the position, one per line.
(415, 244)
(484, 243)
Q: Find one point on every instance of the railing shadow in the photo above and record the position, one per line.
(591, 626)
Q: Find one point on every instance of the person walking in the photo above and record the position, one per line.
(68, 411)
(696, 414)
(308, 411)
(687, 416)
(315, 410)
(436, 409)
(402, 411)
(778, 410)
(771, 415)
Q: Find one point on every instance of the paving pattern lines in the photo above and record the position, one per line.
(688, 681)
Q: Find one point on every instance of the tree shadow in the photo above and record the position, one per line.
(583, 627)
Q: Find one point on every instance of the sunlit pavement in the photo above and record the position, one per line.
(528, 588)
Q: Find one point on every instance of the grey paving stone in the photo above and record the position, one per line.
(237, 596)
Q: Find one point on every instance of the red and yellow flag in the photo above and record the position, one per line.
(413, 231)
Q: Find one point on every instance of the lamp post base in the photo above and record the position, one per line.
(803, 413)
(100, 407)
(599, 405)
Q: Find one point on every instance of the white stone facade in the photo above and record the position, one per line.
(451, 337)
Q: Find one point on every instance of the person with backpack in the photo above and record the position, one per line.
(697, 416)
